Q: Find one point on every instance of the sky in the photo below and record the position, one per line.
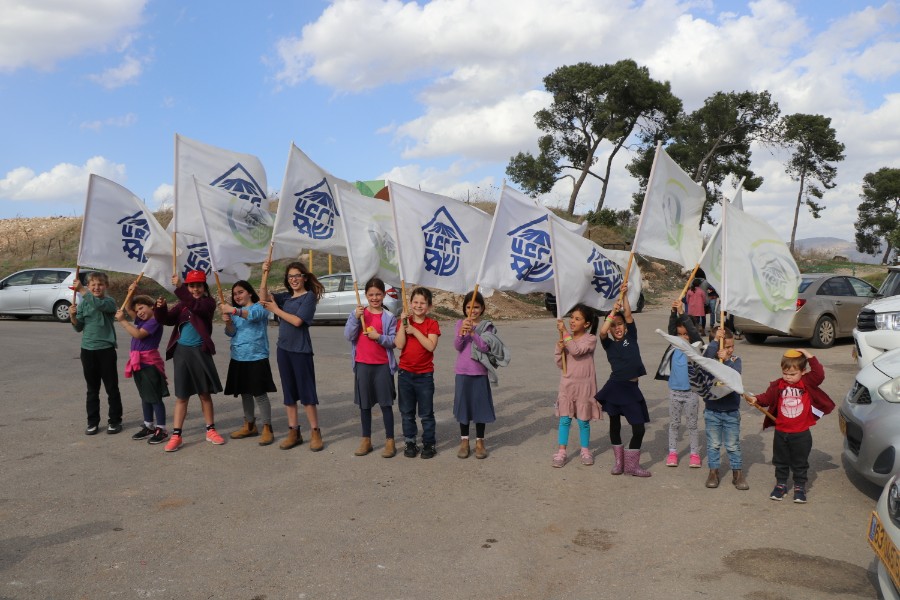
(437, 95)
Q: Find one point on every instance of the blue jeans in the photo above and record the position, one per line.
(723, 428)
(416, 392)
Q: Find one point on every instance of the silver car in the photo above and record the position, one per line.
(869, 419)
(44, 291)
(883, 534)
(339, 299)
(827, 305)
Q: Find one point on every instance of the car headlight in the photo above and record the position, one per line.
(889, 320)
(890, 391)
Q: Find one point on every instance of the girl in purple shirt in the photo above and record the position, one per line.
(472, 400)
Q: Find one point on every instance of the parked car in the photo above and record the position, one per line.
(884, 538)
(339, 298)
(41, 291)
(878, 324)
(827, 306)
(869, 419)
(550, 304)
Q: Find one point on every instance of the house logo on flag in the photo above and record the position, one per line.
(607, 278)
(197, 259)
(530, 251)
(314, 212)
(238, 182)
(443, 243)
(135, 233)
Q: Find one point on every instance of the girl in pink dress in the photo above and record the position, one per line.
(578, 383)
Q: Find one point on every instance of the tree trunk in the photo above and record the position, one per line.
(797, 208)
(887, 254)
(605, 180)
(580, 181)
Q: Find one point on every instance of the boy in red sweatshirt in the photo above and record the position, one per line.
(797, 403)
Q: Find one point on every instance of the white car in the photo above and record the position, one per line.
(884, 537)
(878, 323)
(43, 291)
(339, 299)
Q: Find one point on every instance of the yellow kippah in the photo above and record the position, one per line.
(793, 354)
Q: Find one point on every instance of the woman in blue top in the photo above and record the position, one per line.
(249, 373)
(295, 310)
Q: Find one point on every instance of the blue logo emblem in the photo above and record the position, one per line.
(240, 183)
(443, 244)
(530, 252)
(197, 259)
(135, 233)
(314, 212)
(607, 279)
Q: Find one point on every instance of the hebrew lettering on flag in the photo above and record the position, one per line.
(119, 233)
(670, 217)
(307, 216)
(442, 240)
(241, 175)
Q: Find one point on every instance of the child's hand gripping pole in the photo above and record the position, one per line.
(362, 323)
(752, 401)
(690, 279)
(131, 290)
(562, 338)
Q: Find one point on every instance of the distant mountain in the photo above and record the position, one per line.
(837, 247)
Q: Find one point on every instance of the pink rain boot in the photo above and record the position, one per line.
(633, 463)
(619, 455)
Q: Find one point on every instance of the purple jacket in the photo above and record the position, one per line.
(198, 311)
(465, 364)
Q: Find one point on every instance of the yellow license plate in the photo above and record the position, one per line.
(885, 549)
(842, 423)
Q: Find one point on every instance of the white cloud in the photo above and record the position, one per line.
(39, 33)
(126, 120)
(164, 196)
(114, 77)
(66, 183)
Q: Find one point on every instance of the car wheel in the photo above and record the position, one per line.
(23, 317)
(824, 333)
(640, 304)
(755, 338)
(61, 311)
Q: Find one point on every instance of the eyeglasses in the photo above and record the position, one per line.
(300, 276)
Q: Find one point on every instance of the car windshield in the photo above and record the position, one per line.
(891, 284)
(804, 283)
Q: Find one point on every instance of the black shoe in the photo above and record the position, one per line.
(159, 436)
(411, 450)
(428, 451)
(779, 492)
(799, 494)
(92, 430)
(114, 428)
(143, 434)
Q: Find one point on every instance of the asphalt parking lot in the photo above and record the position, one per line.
(108, 517)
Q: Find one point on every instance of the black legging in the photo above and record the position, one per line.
(615, 433)
(464, 430)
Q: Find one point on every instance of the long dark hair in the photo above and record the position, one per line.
(245, 285)
(479, 299)
(590, 316)
(312, 284)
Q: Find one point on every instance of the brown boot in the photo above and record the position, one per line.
(713, 480)
(738, 479)
(266, 437)
(480, 452)
(316, 443)
(248, 430)
(293, 439)
(463, 448)
(365, 446)
(389, 449)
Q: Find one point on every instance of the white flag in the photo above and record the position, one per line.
(763, 278)
(241, 175)
(728, 376)
(371, 243)
(307, 216)
(670, 217)
(711, 261)
(587, 273)
(238, 231)
(119, 233)
(442, 240)
(193, 255)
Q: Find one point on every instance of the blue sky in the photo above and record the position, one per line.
(436, 95)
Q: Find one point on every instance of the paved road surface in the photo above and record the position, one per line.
(107, 517)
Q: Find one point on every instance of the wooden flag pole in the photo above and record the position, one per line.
(131, 292)
(758, 407)
(219, 287)
(74, 282)
(265, 276)
(690, 279)
(563, 354)
(174, 255)
(362, 322)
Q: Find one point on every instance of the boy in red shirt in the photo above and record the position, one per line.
(797, 403)
(417, 340)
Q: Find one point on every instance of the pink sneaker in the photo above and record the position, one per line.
(696, 463)
(213, 437)
(559, 459)
(672, 460)
(174, 443)
(587, 459)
